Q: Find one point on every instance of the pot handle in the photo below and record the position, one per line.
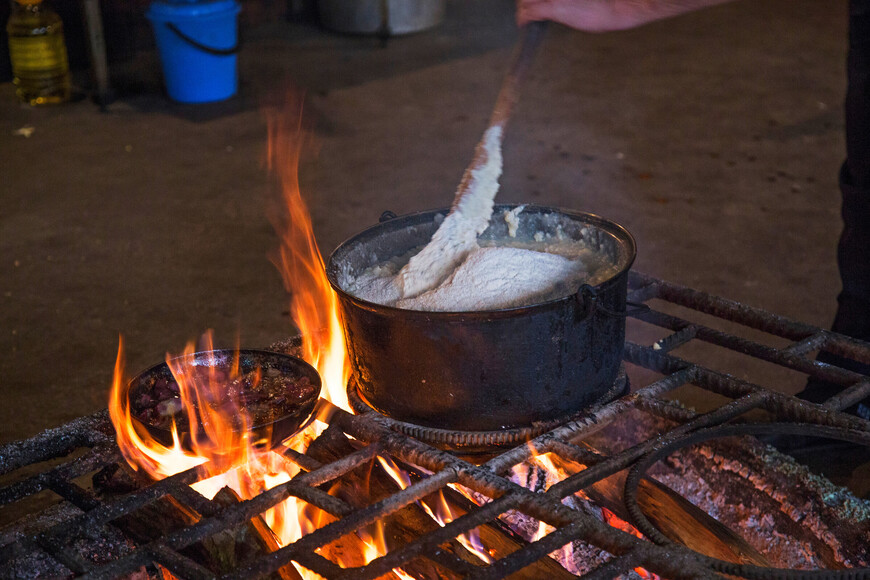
(387, 216)
(587, 296)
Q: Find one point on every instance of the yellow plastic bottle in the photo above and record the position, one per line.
(40, 67)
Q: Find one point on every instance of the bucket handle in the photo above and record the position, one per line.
(587, 296)
(195, 43)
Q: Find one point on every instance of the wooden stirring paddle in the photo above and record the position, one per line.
(472, 206)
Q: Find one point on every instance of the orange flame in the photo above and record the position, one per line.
(139, 449)
(442, 513)
(218, 430)
(314, 304)
(613, 520)
(218, 433)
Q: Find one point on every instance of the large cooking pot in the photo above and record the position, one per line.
(488, 370)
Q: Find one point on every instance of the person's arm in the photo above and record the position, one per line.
(605, 15)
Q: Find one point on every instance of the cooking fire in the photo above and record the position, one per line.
(485, 387)
(315, 460)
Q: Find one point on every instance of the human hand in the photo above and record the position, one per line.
(586, 15)
(605, 15)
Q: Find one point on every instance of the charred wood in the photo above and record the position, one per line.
(372, 484)
(796, 518)
(220, 553)
(791, 507)
(673, 515)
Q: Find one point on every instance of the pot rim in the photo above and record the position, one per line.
(596, 220)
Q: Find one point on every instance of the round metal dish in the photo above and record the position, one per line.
(271, 432)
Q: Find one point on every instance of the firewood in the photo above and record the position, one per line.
(221, 552)
(359, 488)
(672, 514)
(497, 536)
(348, 550)
(235, 545)
(156, 519)
(799, 504)
(366, 485)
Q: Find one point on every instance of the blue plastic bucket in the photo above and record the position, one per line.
(198, 43)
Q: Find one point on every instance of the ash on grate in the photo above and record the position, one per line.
(103, 545)
(796, 518)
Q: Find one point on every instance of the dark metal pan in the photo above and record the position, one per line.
(287, 391)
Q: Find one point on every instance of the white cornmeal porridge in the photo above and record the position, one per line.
(498, 274)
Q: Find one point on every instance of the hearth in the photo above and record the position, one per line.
(71, 508)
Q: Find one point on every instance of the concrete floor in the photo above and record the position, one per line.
(715, 138)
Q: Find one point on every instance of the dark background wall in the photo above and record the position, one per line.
(126, 29)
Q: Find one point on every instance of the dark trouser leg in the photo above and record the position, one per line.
(853, 251)
(858, 96)
(853, 311)
(853, 258)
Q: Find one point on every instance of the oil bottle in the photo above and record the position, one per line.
(40, 67)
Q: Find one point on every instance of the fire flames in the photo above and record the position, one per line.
(234, 460)
(314, 305)
(222, 449)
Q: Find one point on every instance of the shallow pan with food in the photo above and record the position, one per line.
(265, 393)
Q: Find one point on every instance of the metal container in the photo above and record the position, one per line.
(490, 370)
(294, 412)
(385, 17)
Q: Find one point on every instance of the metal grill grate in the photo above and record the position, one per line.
(92, 440)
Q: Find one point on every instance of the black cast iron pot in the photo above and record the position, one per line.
(486, 370)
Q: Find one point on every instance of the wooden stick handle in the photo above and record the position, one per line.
(521, 60)
(524, 53)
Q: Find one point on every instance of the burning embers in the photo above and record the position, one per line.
(222, 431)
(791, 517)
(545, 517)
(204, 416)
(217, 434)
(348, 497)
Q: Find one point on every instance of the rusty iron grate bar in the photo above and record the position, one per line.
(378, 436)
